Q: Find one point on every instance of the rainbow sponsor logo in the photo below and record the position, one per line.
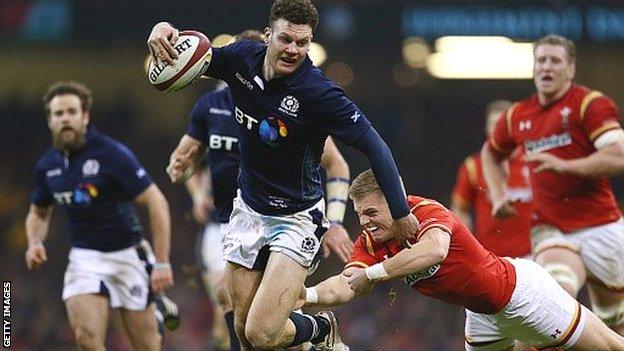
(271, 130)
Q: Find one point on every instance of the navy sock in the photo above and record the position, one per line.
(229, 320)
(309, 328)
(324, 328)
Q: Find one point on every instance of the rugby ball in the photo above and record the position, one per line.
(194, 55)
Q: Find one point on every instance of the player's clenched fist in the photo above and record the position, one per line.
(35, 256)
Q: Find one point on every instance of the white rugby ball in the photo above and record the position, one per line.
(194, 55)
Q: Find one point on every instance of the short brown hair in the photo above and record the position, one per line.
(558, 40)
(65, 88)
(294, 11)
(363, 185)
(251, 34)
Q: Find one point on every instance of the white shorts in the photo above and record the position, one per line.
(252, 235)
(601, 248)
(211, 247)
(121, 275)
(540, 314)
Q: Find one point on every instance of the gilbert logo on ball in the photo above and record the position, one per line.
(194, 55)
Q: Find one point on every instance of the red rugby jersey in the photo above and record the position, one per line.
(566, 129)
(504, 237)
(470, 276)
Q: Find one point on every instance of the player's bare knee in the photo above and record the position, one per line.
(262, 337)
(565, 276)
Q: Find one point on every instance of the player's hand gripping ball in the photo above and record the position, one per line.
(194, 54)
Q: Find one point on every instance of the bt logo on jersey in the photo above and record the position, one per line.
(221, 141)
(82, 195)
(244, 119)
(271, 129)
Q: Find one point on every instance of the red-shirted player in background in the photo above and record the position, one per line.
(573, 141)
(505, 236)
(506, 299)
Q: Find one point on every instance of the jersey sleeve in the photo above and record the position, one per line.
(198, 120)
(464, 192)
(41, 195)
(362, 256)
(129, 172)
(431, 214)
(226, 58)
(340, 116)
(501, 140)
(598, 116)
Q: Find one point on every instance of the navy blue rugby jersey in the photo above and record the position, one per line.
(213, 123)
(284, 123)
(96, 186)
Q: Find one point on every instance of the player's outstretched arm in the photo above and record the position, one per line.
(405, 223)
(160, 227)
(494, 175)
(336, 239)
(334, 291)
(607, 161)
(185, 159)
(430, 250)
(37, 224)
(161, 40)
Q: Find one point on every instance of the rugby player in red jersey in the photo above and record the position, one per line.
(505, 299)
(573, 141)
(504, 236)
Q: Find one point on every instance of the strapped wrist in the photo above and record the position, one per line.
(337, 195)
(376, 272)
(311, 295)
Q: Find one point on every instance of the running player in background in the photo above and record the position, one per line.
(504, 237)
(573, 142)
(214, 128)
(286, 108)
(505, 299)
(97, 180)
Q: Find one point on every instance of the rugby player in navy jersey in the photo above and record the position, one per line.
(213, 127)
(97, 180)
(286, 109)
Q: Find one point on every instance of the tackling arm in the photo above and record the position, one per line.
(334, 291)
(431, 249)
